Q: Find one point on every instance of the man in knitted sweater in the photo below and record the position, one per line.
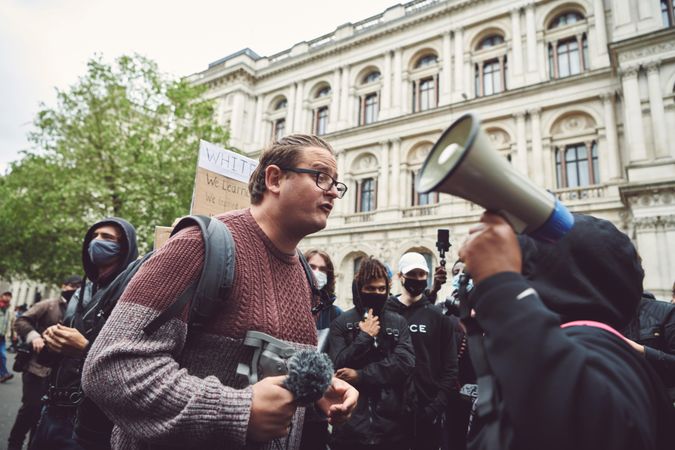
(179, 389)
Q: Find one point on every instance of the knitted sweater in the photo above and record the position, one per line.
(165, 390)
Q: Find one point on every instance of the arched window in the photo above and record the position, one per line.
(567, 44)
(281, 104)
(319, 105)
(490, 66)
(577, 165)
(566, 18)
(668, 13)
(425, 88)
(369, 98)
(366, 198)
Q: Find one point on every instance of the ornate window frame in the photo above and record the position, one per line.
(558, 36)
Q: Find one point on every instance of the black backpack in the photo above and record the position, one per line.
(208, 293)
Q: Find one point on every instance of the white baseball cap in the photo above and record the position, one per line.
(411, 261)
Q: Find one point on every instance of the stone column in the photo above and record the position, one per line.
(613, 160)
(405, 88)
(521, 143)
(237, 119)
(343, 202)
(383, 182)
(334, 111)
(459, 65)
(531, 32)
(397, 85)
(633, 126)
(298, 125)
(258, 124)
(517, 66)
(658, 113)
(385, 104)
(290, 109)
(600, 28)
(446, 73)
(344, 99)
(537, 147)
(395, 172)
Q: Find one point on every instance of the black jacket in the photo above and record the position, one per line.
(580, 387)
(656, 331)
(384, 366)
(435, 374)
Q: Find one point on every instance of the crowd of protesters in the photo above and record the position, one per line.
(534, 361)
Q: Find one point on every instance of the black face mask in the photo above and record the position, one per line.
(414, 287)
(374, 301)
(67, 294)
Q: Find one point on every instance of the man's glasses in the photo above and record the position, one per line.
(323, 180)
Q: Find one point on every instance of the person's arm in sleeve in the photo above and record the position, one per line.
(664, 361)
(135, 378)
(395, 368)
(448, 384)
(26, 326)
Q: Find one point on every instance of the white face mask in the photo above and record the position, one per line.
(321, 278)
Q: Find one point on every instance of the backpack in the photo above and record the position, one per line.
(208, 294)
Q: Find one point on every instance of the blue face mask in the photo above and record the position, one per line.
(102, 252)
(455, 283)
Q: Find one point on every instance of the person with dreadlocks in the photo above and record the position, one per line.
(371, 348)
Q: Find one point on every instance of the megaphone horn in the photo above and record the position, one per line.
(463, 163)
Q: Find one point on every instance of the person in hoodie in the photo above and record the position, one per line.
(565, 378)
(435, 375)
(109, 246)
(371, 349)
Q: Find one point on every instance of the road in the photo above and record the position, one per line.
(10, 400)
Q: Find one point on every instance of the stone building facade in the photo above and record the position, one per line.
(579, 95)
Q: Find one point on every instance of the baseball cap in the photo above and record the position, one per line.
(410, 261)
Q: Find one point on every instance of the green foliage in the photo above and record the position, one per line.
(121, 142)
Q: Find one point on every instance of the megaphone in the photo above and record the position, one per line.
(463, 163)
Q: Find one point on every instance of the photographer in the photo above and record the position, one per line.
(30, 327)
(108, 247)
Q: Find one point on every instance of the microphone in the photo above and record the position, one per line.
(309, 375)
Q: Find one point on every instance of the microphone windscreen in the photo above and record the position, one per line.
(309, 375)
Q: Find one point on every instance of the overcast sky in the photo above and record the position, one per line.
(44, 44)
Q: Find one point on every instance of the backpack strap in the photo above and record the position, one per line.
(215, 282)
(594, 324)
(316, 293)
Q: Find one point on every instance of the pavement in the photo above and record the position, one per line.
(10, 401)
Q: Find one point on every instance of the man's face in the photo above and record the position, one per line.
(306, 205)
(376, 286)
(4, 301)
(107, 233)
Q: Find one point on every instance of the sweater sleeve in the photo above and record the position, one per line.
(136, 379)
(448, 384)
(554, 380)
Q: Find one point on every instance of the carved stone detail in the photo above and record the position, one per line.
(650, 50)
(498, 137)
(574, 123)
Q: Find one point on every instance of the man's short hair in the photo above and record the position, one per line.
(284, 152)
(7, 293)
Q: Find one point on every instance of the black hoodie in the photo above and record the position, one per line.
(580, 387)
(433, 338)
(384, 365)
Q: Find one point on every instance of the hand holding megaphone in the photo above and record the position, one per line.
(463, 163)
(491, 248)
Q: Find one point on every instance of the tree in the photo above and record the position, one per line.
(123, 141)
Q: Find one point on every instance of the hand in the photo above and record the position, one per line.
(272, 410)
(371, 324)
(637, 347)
(440, 277)
(491, 248)
(349, 375)
(338, 402)
(65, 340)
(38, 344)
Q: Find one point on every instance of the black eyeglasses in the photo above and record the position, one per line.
(323, 180)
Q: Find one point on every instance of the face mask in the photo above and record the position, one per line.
(102, 252)
(374, 301)
(67, 294)
(455, 283)
(321, 278)
(414, 287)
